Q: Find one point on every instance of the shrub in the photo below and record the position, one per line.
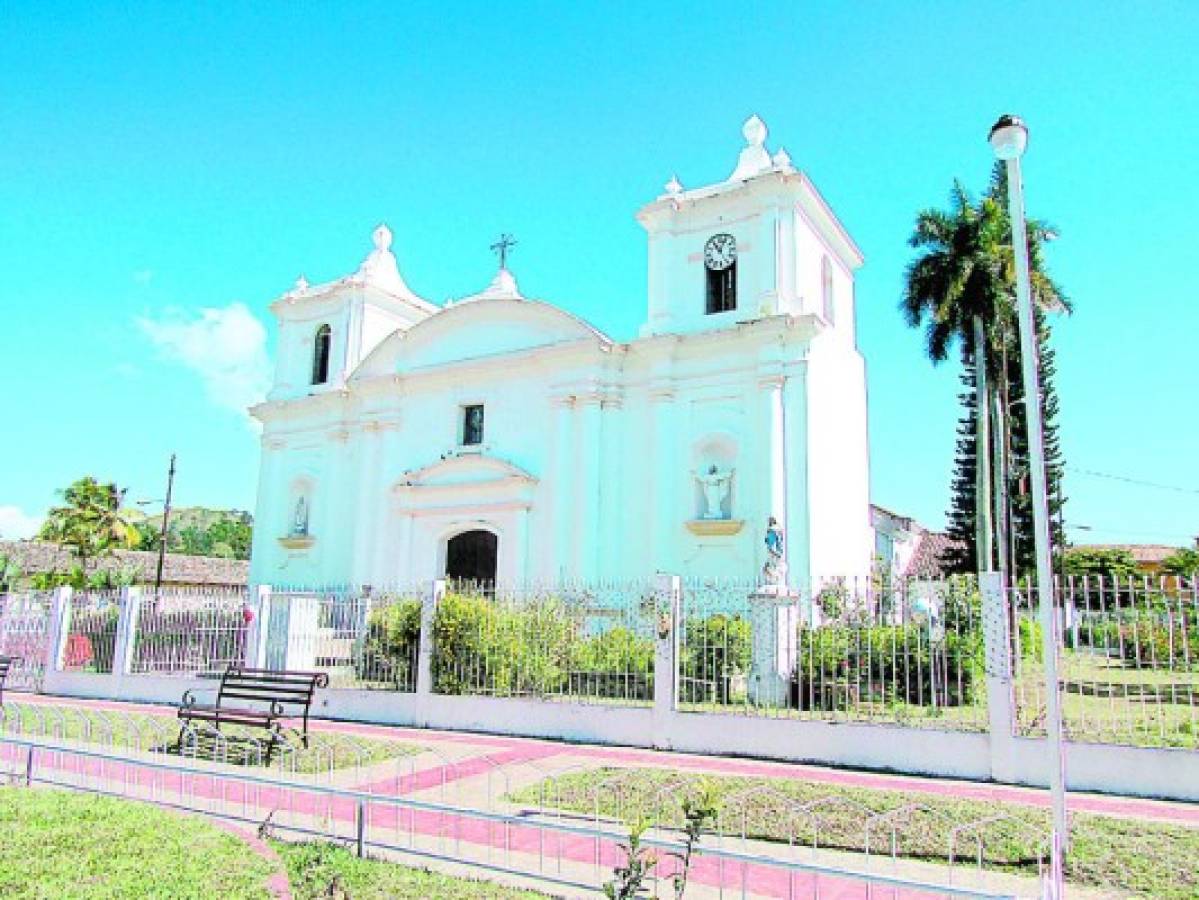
(715, 651)
(886, 663)
(615, 663)
(389, 647)
(485, 646)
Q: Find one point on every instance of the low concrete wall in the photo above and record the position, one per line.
(993, 754)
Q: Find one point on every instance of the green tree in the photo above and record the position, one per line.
(1184, 561)
(230, 537)
(1108, 562)
(954, 290)
(90, 523)
(10, 573)
(961, 289)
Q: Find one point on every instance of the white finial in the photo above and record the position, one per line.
(382, 237)
(754, 158)
(301, 284)
(754, 130)
(782, 159)
(674, 186)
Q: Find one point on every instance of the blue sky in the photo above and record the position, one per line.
(166, 170)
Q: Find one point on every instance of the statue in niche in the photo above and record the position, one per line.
(775, 568)
(299, 522)
(715, 485)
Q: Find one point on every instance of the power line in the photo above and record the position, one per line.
(1137, 481)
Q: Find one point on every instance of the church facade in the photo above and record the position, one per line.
(501, 438)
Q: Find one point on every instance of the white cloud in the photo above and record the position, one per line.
(15, 523)
(143, 276)
(225, 346)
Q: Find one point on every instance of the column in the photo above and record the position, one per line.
(520, 547)
(665, 463)
(774, 426)
(368, 452)
(587, 510)
(560, 489)
(383, 568)
(796, 466)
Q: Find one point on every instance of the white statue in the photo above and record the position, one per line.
(299, 524)
(715, 484)
(774, 572)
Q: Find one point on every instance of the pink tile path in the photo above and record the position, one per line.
(522, 749)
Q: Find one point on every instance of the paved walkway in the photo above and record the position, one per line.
(467, 756)
(475, 772)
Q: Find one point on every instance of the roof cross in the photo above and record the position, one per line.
(501, 248)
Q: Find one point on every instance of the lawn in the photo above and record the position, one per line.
(1145, 858)
(140, 731)
(59, 844)
(321, 870)
(1107, 701)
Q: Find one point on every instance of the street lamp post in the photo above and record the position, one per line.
(1008, 138)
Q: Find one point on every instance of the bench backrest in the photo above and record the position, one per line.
(289, 691)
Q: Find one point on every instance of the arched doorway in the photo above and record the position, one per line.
(471, 556)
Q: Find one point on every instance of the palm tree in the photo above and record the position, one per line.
(955, 289)
(91, 522)
(962, 288)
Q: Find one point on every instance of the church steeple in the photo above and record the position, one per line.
(751, 246)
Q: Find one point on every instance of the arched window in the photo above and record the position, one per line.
(320, 354)
(826, 290)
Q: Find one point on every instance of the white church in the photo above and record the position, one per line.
(499, 437)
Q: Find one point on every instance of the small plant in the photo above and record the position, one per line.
(639, 862)
(699, 811)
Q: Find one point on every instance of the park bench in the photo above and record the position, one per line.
(256, 698)
(6, 664)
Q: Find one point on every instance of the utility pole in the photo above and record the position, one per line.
(162, 537)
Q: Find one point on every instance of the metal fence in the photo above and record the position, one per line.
(91, 637)
(24, 636)
(592, 643)
(1128, 660)
(367, 638)
(845, 650)
(493, 831)
(191, 631)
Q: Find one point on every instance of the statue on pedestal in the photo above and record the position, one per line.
(715, 485)
(775, 569)
(299, 523)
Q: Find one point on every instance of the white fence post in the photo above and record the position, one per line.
(998, 660)
(256, 636)
(130, 612)
(424, 659)
(668, 602)
(60, 629)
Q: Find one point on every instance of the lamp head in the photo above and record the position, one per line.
(1009, 137)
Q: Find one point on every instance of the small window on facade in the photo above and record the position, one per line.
(320, 355)
(472, 425)
(826, 290)
(720, 268)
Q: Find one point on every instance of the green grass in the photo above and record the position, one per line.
(139, 731)
(1146, 858)
(1108, 701)
(321, 870)
(58, 844)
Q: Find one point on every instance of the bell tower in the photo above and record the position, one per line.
(326, 330)
(760, 243)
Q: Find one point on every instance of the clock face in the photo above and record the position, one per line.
(720, 252)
